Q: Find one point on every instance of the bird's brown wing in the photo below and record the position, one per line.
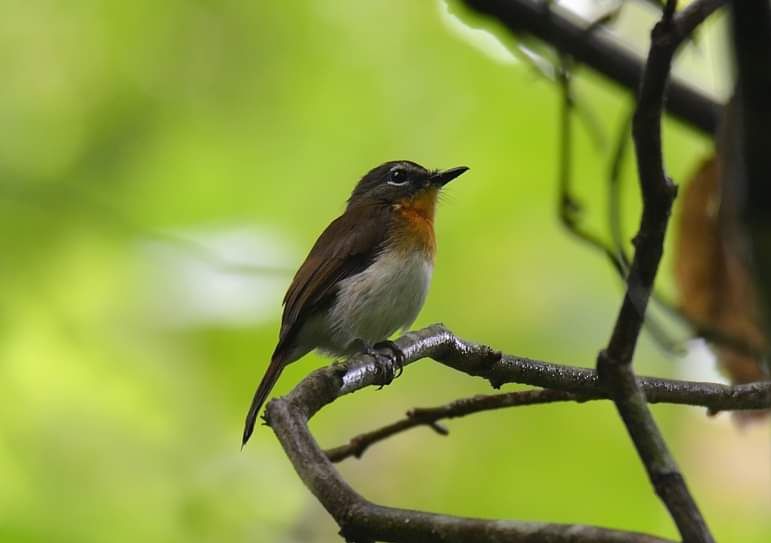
(345, 248)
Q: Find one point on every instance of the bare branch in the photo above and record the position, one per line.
(614, 191)
(363, 521)
(569, 208)
(598, 50)
(699, 329)
(751, 21)
(658, 192)
(430, 416)
(714, 397)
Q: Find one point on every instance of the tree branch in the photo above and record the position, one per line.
(714, 397)
(363, 521)
(598, 50)
(751, 22)
(614, 363)
(570, 209)
(570, 214)
(430, 416)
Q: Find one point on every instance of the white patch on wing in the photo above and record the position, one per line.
(385, 297)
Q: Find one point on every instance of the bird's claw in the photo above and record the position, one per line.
(395, 357)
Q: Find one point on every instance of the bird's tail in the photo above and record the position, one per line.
(277, 363)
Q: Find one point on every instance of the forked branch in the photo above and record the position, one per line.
(361, 520)
(715, 397)
(614, 363)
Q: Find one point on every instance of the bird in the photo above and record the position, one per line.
(366, 276)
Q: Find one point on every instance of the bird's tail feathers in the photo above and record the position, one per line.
(277, 363)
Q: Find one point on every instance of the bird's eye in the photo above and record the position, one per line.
(397, 177)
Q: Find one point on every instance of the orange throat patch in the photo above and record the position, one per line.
(414, 218)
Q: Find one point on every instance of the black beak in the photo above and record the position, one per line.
(445, 176)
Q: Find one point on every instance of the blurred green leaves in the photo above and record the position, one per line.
(128, 125)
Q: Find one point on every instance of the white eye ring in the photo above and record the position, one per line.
(397, 173)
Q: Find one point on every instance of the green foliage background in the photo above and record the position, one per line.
(129, 127)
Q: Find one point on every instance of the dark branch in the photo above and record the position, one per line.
(614, 191)
(540, 24)
(598, 50)
(658, 193)
(714, 397)
(430, 416)
(569, 208)
(751, 21)
(363, 521)
(570, 213)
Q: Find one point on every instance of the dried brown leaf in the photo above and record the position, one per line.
(715, 286)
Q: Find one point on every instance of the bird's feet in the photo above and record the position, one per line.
(397, 354)
(396, 357)
(390, 364)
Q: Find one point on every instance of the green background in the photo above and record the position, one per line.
(164, 166)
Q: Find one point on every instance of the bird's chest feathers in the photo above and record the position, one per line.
(413, 227)
(388, 295)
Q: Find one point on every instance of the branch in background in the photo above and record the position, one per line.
(570, 209)
(751, 21)
(547, 25)
(699, 328)
(614, 363)
(361, 520)
(570, 214)
(598, 50)
(614, 189)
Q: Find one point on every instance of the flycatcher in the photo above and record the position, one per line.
(367, 275)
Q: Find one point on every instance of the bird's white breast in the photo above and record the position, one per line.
(385, 297)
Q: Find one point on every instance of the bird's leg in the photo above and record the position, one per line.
(397, 355)
(368, 348)
(393, 359)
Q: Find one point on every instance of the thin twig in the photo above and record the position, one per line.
(712, 396)
(570, 208)
(614, 191)
(430, 416)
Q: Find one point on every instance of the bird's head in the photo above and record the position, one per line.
(401, 181)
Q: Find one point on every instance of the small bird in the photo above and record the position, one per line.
(367, 275)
